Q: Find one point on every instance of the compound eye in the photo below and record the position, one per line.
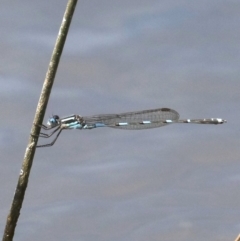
(53, 121)
(56, 117)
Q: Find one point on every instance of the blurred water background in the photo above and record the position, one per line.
(179, 182)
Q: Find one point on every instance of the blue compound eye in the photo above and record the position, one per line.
(56, 117)
(53, 121)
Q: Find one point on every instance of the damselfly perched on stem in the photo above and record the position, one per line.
(137, 120)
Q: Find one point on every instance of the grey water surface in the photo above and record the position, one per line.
(179, 182)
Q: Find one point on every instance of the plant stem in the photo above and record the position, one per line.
(39, 115)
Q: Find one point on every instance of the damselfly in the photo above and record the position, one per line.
(126, 121)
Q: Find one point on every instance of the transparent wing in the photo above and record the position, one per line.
(134, 120)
